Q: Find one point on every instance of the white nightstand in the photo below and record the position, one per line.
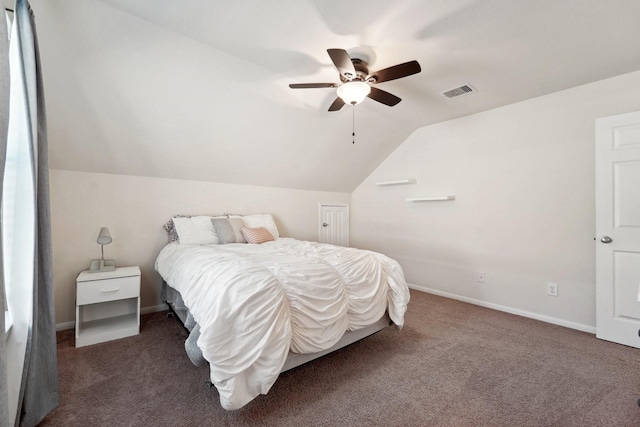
(107, 305)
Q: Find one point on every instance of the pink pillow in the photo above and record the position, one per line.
(257, 235)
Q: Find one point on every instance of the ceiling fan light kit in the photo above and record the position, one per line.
(354, 92)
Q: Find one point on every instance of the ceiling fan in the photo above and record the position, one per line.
(356, 81)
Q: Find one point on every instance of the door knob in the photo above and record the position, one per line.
(324, 224)
(606, 239)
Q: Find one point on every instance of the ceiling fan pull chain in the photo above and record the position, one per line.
(353, 124)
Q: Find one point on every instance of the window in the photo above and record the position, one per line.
(18, 216)
(18, 201)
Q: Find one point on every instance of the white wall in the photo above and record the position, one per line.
(135, 208)
(523, 177)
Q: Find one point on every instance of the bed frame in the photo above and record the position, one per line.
(173, 299)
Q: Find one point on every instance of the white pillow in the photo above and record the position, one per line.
(197, 230)
(262, 220)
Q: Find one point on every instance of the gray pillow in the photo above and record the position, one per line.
(229, 230)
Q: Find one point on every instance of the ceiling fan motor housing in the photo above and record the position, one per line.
(362, 72)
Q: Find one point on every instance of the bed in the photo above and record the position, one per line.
(257, 304)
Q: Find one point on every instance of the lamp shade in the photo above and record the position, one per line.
(104, 238)
(354, 92)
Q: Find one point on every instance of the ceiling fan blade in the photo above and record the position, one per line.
(311, 85)
(343, 63)
(383, 97)
(337, 104)
(397, 71)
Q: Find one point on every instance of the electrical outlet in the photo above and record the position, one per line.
(482, 277)
(552, 289)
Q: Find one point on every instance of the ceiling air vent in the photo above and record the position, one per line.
(459, 91)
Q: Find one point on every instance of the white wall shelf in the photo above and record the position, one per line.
(396, 182)
(430, 199)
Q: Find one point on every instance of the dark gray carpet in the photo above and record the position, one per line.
(453, 364)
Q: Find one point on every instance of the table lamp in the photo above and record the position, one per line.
(97, 265)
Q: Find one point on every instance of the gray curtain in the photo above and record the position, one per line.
(4, 124)
(39, 389)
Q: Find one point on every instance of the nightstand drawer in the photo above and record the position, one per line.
(108, 290)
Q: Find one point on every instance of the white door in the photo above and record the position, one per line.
(618, 228)
(334, 224)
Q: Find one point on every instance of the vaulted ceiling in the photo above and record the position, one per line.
(197, 89)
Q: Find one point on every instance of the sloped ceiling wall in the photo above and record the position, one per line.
(198, 89)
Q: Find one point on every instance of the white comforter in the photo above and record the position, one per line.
(254, 303)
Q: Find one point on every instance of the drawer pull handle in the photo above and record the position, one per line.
(107, 291)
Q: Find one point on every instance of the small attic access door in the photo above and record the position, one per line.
(333, 226)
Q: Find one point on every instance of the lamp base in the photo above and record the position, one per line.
(98, 265)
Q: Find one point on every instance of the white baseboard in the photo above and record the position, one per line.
(154, 309)
(66, 325)
(144, 310)
(511, 310)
